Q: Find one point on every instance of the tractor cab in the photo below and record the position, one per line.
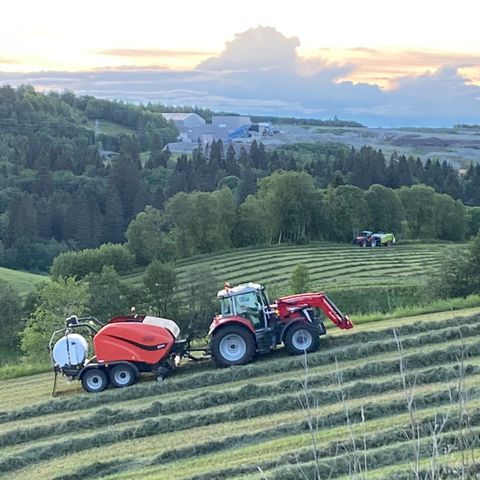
(247, 301)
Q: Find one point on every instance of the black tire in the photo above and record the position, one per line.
(389, 243)
(232, 345)
(373, 243)
(122, 375)
(301, 337)
(363, 243)
(94, 380)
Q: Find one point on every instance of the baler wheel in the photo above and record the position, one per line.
(232, 345)
(122, 375)
(301, 337)
(94, 380)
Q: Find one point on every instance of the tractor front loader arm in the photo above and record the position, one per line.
(292, 303)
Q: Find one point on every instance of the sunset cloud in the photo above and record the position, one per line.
(152, 52)
(384, 67)
(262, 71)
(9, 61)
(256, 48)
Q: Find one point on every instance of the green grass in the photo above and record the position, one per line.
(204, 423)
(330, 265)
(16, 370)
(111, 128)
(440, 305)
(22, 282)
(359, 280)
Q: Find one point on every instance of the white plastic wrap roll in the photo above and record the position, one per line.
(70, 350)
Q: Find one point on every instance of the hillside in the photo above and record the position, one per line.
(357, 279)
(205, 423)
(329, 264)
(22, 282)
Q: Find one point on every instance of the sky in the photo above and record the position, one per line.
(384, 63)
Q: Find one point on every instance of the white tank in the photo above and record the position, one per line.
(70, 350)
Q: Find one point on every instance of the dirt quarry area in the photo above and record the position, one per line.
(458, 146)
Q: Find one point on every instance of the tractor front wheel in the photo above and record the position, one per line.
(94, 380)
(232, 345)
(122, 375)
(301, 337)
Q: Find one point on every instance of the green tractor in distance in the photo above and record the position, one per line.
(366, 238)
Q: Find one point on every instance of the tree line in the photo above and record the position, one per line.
(28, 323)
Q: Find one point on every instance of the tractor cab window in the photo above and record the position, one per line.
(248, 306)
(263, 298)
(226, 307)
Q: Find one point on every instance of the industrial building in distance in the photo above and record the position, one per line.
(194, 130)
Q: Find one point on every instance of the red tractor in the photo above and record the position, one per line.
(248, 323)
(129, 345)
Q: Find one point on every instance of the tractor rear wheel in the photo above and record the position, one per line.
(232, 345)
(94, 380)
(122, 375)
(301, 337)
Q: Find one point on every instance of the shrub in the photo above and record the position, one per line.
(82, 263)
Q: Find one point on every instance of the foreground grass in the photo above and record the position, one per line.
(206, 423)
(453, 305)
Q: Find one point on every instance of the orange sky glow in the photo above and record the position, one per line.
(376, 41)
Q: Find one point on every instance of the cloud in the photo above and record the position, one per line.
(10, 61)
(145, 52)
(260, 71)
(257, 48)
(384, 67)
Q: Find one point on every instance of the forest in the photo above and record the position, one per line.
(65, 187)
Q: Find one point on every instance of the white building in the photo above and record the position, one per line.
(230, 122)
(185, 120)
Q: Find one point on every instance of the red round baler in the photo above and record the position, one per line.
(124, 347)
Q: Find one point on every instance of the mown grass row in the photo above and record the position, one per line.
(234, 262)
(337, 272)
(361, 344)
(248, 454)
(250, 409)
(436, 347)
(318, 265)
(328, 259)
(343, 464)
(121, 412)
(116, 415)
(328, 271)
(244, 264)
(393, 435)
(258, 254)
(388, 410)
(281, 391)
